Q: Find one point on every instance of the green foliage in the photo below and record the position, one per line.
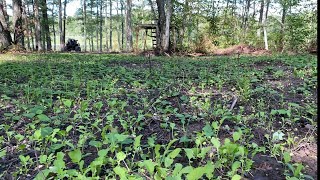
(87, 119)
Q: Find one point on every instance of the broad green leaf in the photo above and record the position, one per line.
(177, 169)
(42, 174)
(121, 137)
(96, 144)
(203, 152)
(184, 139)
(29, 115)
(215, 125)
(236, 136)
(75, 155)
(59, 162)
(286, 157)
(68, 129)
(67, 102)
(43, 158)
(186, 169)
(236, 177)
(46, 131)
(103, 152)
(196, 173)
(215, 142)
(277, 136)
(149, 165)
(189, 153)
(43, 118)
(167, 162)
(208, 131)
(37, 134)
(136, 143)
(174, 153)
(209, 169)
(3, 153)
(235, 166)
(121, 172)
(121, 156)
(298, 169)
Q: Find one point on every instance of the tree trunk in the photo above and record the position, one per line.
(183, 28)
(122, 25)
(128, 26)
(265, 26)
(167, 31)
(283, 19)
(31, 27)
(46, 24)
(97, 25)
(60, 27)
(39, 45)
(110, 25)
(261, 18)
(25, 25)
(163, 25)
(106, 24)
(18, 36)
(53, 29)
(5, 37)
(64, 22)
(118, 28)
(100, 28)
(85, 24)
(91, 33)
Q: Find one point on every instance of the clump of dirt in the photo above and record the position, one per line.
(241, 49)
(12, 49)
(306, 153)
(266, 167)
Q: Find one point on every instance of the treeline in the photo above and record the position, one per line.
(41, 25)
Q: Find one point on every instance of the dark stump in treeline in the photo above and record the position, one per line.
(72, 45)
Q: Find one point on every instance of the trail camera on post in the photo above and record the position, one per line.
(72, 45)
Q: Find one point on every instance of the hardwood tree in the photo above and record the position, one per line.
(39, 45)
(45, 21)
(129, 26)
(25, 25)
(84, 12)
(18, 36)
(5, 37)
(110, 44)
(164, 20)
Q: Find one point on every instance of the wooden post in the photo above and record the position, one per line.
(145, 40)
(174, 39)
(137, 39)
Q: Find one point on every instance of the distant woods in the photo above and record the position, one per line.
(182, 25)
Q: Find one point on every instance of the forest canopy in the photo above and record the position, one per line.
(182, 25)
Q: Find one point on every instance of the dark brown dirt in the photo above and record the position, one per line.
(266, 167)
(306, 153)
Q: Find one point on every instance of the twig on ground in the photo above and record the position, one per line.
(235, 99)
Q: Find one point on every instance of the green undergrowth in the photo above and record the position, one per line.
(80, 116)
